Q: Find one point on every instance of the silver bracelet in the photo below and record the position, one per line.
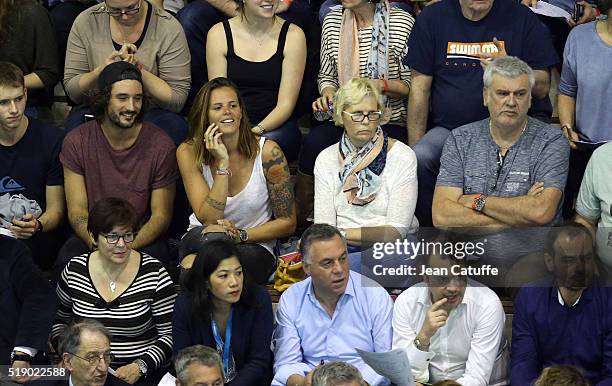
(223, 172)
(262, 130)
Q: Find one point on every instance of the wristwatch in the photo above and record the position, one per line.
(479, 202)
(19, 356)
(142, 366)
(244, 236)
(420, 346)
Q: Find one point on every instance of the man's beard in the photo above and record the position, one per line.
(116, 119)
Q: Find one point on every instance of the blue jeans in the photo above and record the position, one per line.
(428, 152)
(31, 112)
(327, 134)
(198, 17)
(172, 123)
(288, 137)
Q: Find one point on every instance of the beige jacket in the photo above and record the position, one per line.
(163, 52)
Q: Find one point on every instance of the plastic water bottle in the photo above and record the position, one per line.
(324, 115)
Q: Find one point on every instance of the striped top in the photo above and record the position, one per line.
(400, 25)
(139, 320)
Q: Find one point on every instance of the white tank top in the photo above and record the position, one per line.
(251, 206)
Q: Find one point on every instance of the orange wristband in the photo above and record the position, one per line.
(385, 86)
(288, 2)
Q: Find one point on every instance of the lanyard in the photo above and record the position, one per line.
(228, 339)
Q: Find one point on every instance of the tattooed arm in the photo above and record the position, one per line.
(208, 204)
(76, 200)
(280, 189)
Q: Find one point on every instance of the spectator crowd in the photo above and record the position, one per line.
(373, 141)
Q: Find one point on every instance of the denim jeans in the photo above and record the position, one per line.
(172, 123)
(288, 137)
(31, 112)
(428, 152)
(258, 262)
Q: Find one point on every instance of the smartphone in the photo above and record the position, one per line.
(578, 12)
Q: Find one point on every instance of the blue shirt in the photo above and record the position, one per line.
(546, 333)
(305, 335)
(586, 78)
(445, 45)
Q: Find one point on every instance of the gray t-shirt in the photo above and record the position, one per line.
(586, 77)
(595, 199)
(469, 161)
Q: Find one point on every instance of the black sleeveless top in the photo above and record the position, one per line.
(258, 82)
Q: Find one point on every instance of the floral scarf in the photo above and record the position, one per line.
(348, 51)
(361, 168)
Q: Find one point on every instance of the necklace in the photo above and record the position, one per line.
(260, 41)
(113, 282)
(505, 147)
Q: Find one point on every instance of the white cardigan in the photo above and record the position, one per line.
(394, 204)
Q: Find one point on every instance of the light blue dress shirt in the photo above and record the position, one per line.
(305, 335)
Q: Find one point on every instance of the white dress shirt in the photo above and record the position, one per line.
(465, 348)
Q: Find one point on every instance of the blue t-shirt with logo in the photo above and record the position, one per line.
(32, 164)
(445, 45)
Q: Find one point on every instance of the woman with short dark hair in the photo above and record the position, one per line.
(127, 291)
(222, 310)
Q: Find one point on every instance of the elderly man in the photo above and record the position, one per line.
(198, 365)
(449, 43)
(330, 314)
(85, 351)
(451, 327)
(566, 319)
(118, 155)
(504, 171)
(337, 374)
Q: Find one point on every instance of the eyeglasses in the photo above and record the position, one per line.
(115, 12)
(113, 238)
(359, 116)
(94, 359)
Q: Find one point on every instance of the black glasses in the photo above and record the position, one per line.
(119, 12)
(94, 359)
(113, 238)
(500, 164)
(359, 116)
